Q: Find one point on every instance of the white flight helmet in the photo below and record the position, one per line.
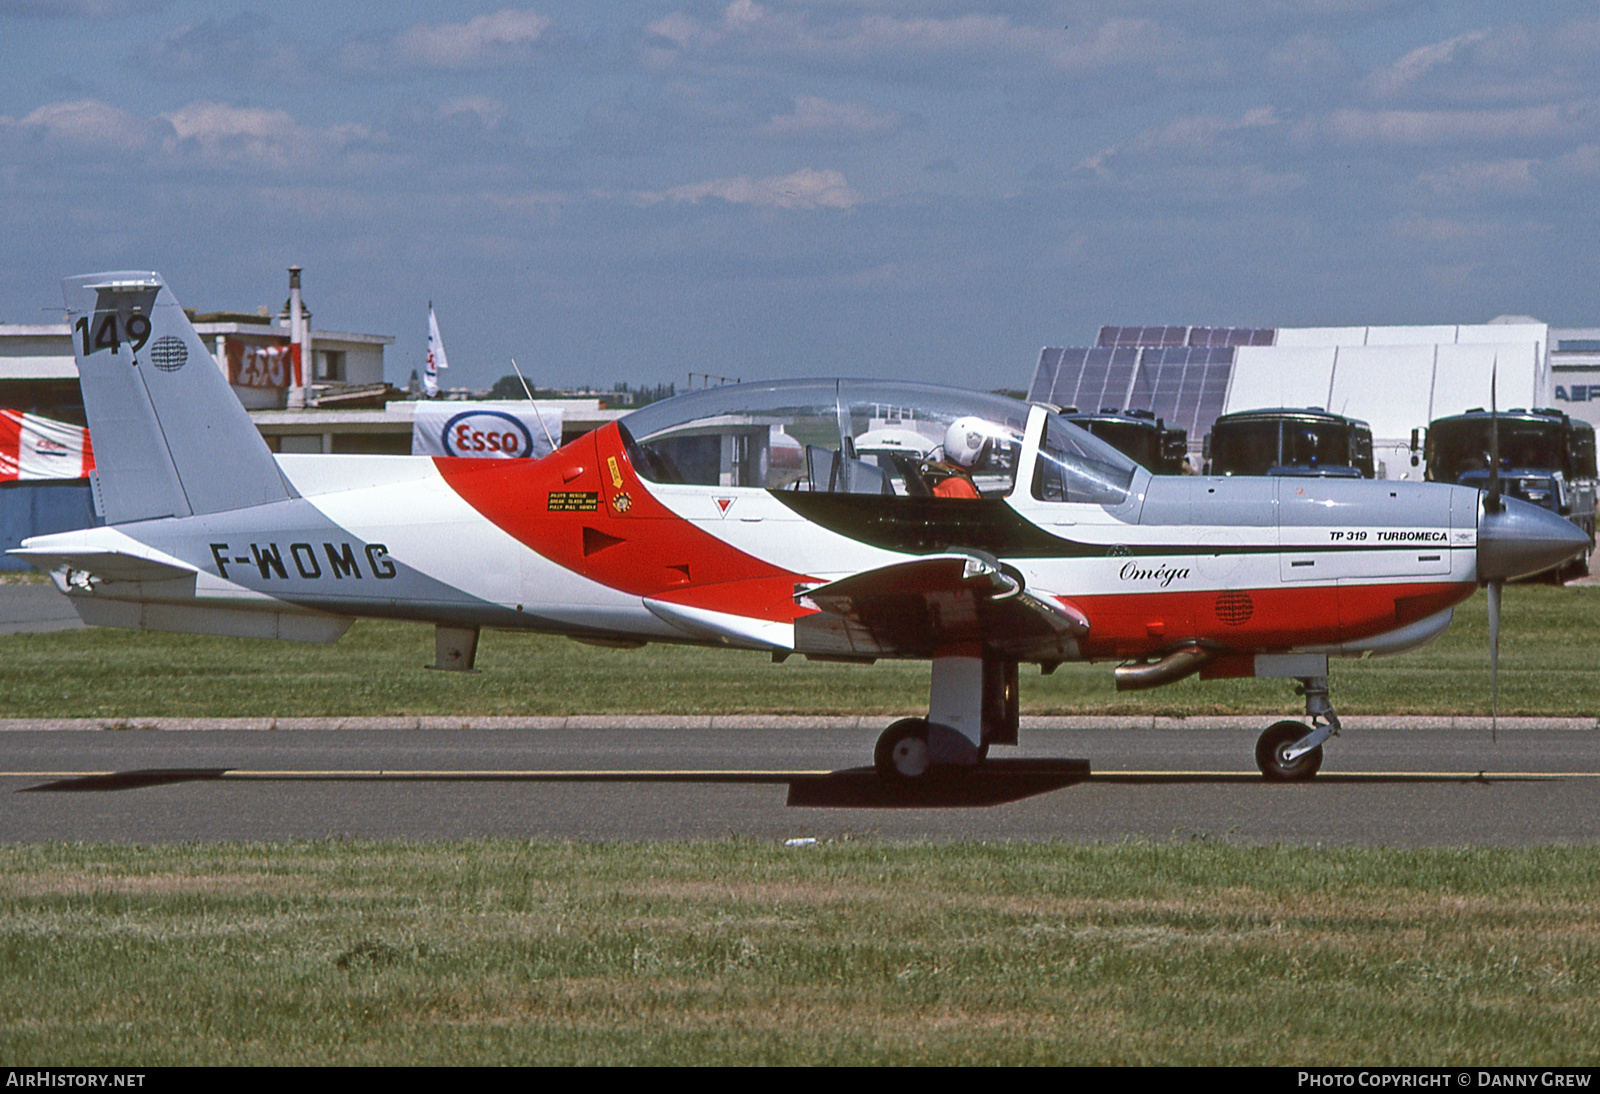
(965, 440)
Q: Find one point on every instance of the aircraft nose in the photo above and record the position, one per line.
(1524, 539)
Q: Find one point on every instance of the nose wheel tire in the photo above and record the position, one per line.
(1277, 740)
(902, 750)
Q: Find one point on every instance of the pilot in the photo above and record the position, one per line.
(965, 444)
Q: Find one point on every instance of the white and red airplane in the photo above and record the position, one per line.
(836, 519)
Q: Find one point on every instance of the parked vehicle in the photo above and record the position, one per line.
(1289, 441)
(1139, 435)
(1546, 458)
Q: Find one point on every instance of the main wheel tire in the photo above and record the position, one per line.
(1277, 740)
(902, 750)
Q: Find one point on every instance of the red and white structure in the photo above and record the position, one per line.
(36, 448)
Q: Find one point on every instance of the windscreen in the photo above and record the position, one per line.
(1074, 466)
(1140, 443)
(1274, 445)
(1461, 447)
(1315, 444)
(1244, 448)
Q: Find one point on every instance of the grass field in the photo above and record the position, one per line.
(744, 952)
(1547, 663)
(734, 952)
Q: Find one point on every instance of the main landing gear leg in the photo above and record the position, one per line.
(1292, 751)
(972, 703)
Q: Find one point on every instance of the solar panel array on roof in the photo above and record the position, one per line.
(1184, 385)
(1233, 336)
(1142, 336)
(1088, 379)
(1192, 336)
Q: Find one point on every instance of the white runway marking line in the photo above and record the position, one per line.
(582, 773)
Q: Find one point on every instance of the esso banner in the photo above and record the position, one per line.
(493, 431)
(32, 447)
(260, 366)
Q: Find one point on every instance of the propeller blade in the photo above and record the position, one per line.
(1495, 588)
(1491, 501)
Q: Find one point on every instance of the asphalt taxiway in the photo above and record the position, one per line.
(1437, 784)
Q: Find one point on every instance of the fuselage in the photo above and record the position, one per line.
(580, 543)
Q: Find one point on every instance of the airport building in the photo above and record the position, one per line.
(1397, 379)
(342, 404)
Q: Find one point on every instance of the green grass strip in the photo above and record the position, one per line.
(740, 952)
(1548, 667)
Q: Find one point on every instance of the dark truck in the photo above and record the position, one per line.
(1546, 458)
(1289, 441)
(1138, 434)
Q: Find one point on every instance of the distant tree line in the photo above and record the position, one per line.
(621, 393)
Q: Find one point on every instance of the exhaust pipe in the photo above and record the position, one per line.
(1181, 662)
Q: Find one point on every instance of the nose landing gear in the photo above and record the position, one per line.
(1292, 751)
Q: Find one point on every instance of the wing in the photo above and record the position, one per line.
(918, 607)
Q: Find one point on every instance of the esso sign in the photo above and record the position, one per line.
(487, 434)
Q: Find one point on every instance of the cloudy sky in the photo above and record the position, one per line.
(639, 190)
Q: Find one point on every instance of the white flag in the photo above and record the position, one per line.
(436, 357)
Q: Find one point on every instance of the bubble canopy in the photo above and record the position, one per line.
(851, 436)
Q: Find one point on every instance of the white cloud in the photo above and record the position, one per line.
(80, 9)
(1203, 130)
(1233, 181)
(1411, 68)
(1194, 134)
(748, 28)
(206, 133)
(268, 138)
(1424, 127)
(481, 42)
(818, 117)
(1448, 230)
(503, 38)
(1496, 177)
(1582, 160)
(488, 112)
(91, 123)
(807, 188)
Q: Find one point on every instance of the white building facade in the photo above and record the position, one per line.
(1397, 379)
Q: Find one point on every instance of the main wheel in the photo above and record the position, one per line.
(902, 751)
(1275, 742)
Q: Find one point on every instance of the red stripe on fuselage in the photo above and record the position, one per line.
(1278, 618)
(628, 541)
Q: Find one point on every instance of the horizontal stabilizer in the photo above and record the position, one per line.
(918, 606)
(103, 565)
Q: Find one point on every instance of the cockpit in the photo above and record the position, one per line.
(867, 437)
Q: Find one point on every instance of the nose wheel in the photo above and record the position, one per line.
(1292, 751)
(1278, 758)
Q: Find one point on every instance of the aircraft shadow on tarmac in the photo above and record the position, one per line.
(996, 782)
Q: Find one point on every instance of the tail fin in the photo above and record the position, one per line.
(170, 437)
